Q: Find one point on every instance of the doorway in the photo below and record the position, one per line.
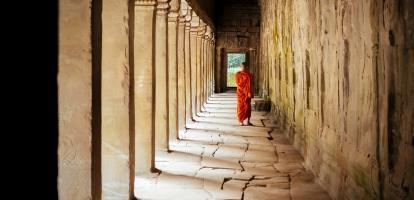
(233, 66)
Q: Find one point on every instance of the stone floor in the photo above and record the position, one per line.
(218, 159)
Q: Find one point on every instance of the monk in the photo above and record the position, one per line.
(244, 94)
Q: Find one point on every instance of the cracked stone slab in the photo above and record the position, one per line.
(219, 163)
(146, 181)
(233, 153)
(229, 191)
(214, 174)
(195, 150)
(201, 136)
(257, 169)
(259, 141)
(171, 193)
(281, 182)
(289, 157)
(231, 184)
(262, 147)
(260, 156)
(279, 139)
(176, 157)
(209, 150)
(242, 175)
(180, 168)
(233, 139)
(285, 148)
(166, 180)
(218, 120)
(289, 167)
(266, 193)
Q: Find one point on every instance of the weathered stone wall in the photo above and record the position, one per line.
(237, 31)
(340, 78)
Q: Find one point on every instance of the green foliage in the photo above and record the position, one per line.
(233, 66)
(231, 82)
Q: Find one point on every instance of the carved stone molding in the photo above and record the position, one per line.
(195, 23)
(163, 7)
(188, 18)
(145, 2)
(201, 30)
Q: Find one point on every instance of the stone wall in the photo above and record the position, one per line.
(340, 78)
(237, 31)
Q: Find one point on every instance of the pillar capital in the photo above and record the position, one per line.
(163, 7)
(174, 10)
(194, 24)
(145, 2)
(213, 39)
(183, 12)
(175, 5)
(201, 29)
(188, 18)
(208, 33)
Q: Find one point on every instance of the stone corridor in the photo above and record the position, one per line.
(218, 159)
(144, 111)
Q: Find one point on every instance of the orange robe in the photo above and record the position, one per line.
(243, 79)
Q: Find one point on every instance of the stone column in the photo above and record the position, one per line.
(76, 174)
(213, 65)
(172, 71)
(195, 22)
(217, 69)
(181, 67)
(161, 69)
(117, 137)
(144, 86)
(207, 65)
(207, 70)
(187, 55)
(200, 74)
(200, 34)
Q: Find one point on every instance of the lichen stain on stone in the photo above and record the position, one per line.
(362, 179)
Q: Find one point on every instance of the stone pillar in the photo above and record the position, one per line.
(218, 54)
(203, 69)
(206, 65)
(213, 62)
(211, 66)
(199, 58)
(194, 53)
(161, 69)
(76, 174)
(187, 55)
(143, 86)
(172, 70)
(117, 137)
(181, 67)
(200, 74)
(208, 70)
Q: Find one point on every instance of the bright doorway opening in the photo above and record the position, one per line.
(233, 66)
